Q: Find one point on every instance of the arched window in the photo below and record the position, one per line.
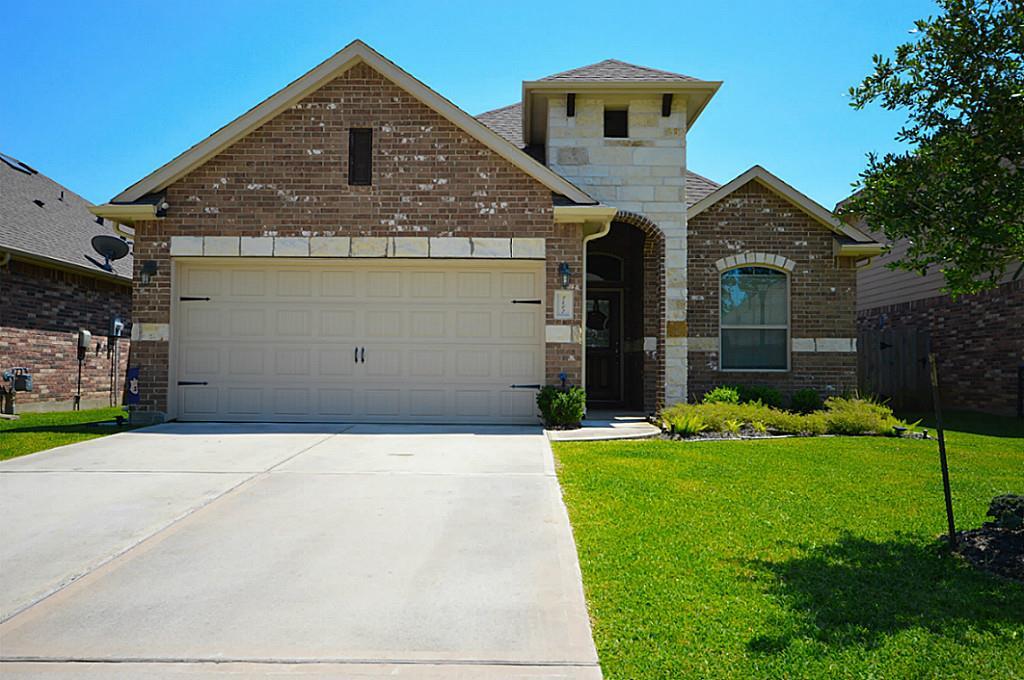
(754, 320)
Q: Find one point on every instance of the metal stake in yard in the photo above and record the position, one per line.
(942, 449)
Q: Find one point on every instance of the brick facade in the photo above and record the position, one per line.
(822, 291)
(978, 341)
(288, 178)
(41, 310)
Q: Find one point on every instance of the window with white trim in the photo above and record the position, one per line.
(754, 321)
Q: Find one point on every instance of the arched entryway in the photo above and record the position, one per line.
(625, 316)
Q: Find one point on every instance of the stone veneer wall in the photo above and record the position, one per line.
(645, 174)
(823, 289)
(978, 341)
(41, 310)
(289, 178)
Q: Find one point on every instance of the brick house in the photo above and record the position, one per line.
(357, 247)
(52, 283)
(978, 339)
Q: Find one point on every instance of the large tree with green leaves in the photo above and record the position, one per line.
(957, 194)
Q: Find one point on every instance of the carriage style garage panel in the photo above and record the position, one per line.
(322, 340)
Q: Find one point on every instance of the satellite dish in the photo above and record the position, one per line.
(110, 247)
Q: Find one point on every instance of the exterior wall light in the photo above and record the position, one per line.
(565, 272)
(148, 271)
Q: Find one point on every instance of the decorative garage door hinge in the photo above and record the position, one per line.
(192, 382)
(186, 298)
(525, 387)
(526, 302)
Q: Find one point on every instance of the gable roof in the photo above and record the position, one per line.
(773, 183)
(508, 122)
(613, 69)
(43, 220)
(354, 53)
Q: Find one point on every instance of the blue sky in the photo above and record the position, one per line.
(98, 94)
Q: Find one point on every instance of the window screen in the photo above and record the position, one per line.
(360, 156)
(755, 319)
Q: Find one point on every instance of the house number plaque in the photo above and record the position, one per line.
(563, 305)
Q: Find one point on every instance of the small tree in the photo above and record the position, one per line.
(957, 195)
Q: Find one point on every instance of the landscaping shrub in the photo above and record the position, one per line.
(806, 400)
(686, 424)
(841, 416)
(858, 416)
(732, 426)
(1008, 511)
(723, 394)
(561, 407)
(769, 396)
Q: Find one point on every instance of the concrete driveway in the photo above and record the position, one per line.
(291, 550)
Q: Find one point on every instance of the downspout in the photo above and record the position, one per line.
(119, 230)
(603, 229)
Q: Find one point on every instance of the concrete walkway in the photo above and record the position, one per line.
(283, 550)
(601, 426)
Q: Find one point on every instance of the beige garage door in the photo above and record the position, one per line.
(343, 340)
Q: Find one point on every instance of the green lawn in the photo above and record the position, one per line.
(38, 431)
(790, 558)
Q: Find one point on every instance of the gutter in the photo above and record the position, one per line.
(125, 213)
(600, 213)
(7, 253)
(860, 249)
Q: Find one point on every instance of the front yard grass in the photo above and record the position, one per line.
(33, 432)
(798, 557)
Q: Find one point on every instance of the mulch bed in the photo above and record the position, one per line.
(995, 550)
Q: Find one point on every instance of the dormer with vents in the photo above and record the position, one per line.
(618, 129)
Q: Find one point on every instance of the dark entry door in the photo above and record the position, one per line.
(604, 346)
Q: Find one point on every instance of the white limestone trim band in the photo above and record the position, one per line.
(824, 344)
(798, 344)
(559, 333)
(359, 246)
(159, 332)
(747, 259)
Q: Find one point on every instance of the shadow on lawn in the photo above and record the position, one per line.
(972, 423)
(858, 592)
(76, 428)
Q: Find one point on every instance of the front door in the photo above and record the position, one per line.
(604, 346)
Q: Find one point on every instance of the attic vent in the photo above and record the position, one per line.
(15, 164)
(360, 156)
(38, 202)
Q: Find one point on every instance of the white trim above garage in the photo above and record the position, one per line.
(460, 247)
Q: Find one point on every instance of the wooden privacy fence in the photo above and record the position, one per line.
(892, 363)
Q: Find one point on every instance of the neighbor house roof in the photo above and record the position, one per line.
(354, 53)
(43, 221)
(508, 122)
(852, 241)
(613, 69)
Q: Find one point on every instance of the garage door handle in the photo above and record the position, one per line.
(187, 298)
(362, 356)
(526, 302)
(193, 382)
(525, 387)
(355, 356)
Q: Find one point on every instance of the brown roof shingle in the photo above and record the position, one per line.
(613, 69)
(508, 122)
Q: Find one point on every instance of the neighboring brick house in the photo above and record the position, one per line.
(52, 284)
(978, 340)
(358, 248)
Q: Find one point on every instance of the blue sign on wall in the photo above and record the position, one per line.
(132, 380)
